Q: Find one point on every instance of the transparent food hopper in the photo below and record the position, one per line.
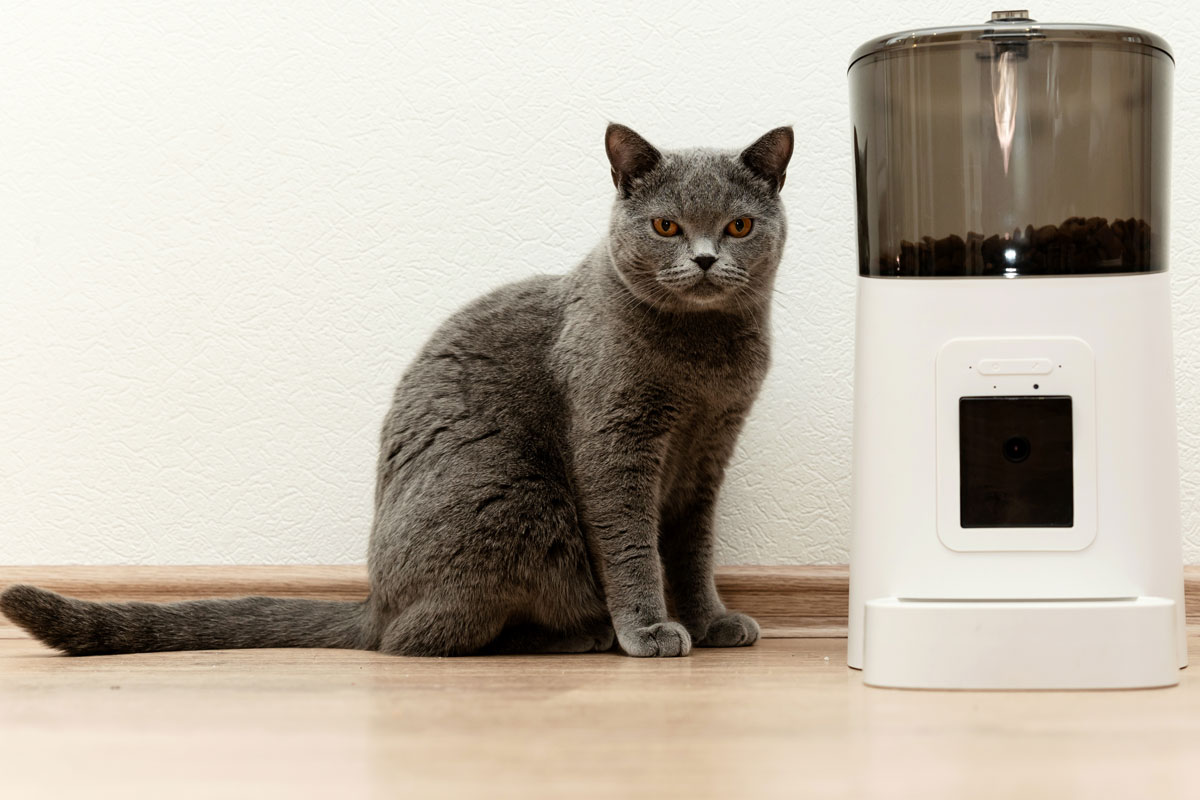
(1012, 148)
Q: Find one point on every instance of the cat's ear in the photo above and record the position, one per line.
(768, 157)
(630, 155)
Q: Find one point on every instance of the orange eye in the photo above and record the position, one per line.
(665, 227)
(739, 227)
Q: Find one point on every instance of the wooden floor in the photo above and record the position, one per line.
(783, 719)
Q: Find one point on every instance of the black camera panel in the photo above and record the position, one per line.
(1015, 462)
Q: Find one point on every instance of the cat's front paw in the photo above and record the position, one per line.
(730, 630)
(661, 640)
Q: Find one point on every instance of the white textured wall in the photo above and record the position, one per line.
(226, 227)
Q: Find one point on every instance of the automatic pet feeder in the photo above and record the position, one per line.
(1016, 487)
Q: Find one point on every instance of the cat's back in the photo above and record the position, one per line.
(504, 335)
(472, 451)
(483, 370)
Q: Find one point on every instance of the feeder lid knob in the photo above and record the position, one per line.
(1015, 15)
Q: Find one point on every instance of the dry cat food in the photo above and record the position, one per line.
(1077, 246)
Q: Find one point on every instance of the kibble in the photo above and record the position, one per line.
(1076, 247)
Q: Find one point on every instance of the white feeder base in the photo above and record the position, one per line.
(1024, 644)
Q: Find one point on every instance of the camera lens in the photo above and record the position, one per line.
(1016, 449)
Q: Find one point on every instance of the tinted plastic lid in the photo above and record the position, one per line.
(1013, 25)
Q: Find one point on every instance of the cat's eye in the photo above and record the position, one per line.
(739, 227)
(666, 227)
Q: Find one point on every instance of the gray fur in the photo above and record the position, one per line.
(551, 459)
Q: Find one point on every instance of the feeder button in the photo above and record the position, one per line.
(1015, 366)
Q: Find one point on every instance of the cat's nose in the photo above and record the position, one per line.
(704, 262)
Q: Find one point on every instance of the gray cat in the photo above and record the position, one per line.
(550, 462)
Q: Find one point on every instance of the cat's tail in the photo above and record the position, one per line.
(86, 628)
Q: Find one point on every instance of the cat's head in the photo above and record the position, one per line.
(696, 230)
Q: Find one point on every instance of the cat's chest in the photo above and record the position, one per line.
(698, 446)
(712, 366)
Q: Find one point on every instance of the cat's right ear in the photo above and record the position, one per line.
(630, 155)
(769, 156)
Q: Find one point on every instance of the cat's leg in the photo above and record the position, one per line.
(687, 550)
(435, 626)
(453, 564)
(619, 441)
(532, 638)
(687, 556)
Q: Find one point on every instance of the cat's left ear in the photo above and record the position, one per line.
(768, 157)
(630, 155)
